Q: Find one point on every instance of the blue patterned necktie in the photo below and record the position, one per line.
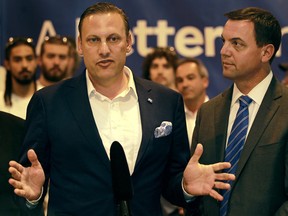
(235, 144)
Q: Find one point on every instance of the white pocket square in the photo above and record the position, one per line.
(163, 130)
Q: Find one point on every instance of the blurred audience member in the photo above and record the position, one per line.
(159, 66)
(284, 67)
(21, 64)
(192, 80)
(2, 78)
(53, 60)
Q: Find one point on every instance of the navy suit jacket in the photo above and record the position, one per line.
(261, 181)
(11, 138)
(62, 130)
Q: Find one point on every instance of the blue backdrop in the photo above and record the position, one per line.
(193, 27)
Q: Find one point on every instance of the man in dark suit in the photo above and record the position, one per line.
(71, 126)
(11, 137)
(251, 38)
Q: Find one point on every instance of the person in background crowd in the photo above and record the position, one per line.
(71, 126)
(284, 68)
(11, 137)
(2, 78)
(159, 66)
(57, 61)
(53, 60)
(247, 125)
(74, 58)
(21, 64)
(192, 80)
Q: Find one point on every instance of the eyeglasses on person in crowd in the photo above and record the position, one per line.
(56, 39)
(18, 40)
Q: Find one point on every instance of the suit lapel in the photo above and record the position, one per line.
(79, 104)
(222, 107)
(265, 113)
(145, 99)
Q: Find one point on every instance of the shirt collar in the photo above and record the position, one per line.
(257, 93)
(130, 86)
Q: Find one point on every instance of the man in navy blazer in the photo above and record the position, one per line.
(251, 38)
(71, 125)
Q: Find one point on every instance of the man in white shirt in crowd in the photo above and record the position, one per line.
(192, 80)
(21, 64)
(53, 60)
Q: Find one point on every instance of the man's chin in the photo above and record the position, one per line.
(24, 81)
(227, 74)
(161, 82)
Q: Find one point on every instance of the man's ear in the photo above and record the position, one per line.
(6, 64)
(267, 52)
(129, 43)
(205, 82)
(79, 46)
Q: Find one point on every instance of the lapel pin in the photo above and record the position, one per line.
(150, 100)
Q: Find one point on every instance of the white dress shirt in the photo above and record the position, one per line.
(256, 94)
(190, 121)
(118, 119)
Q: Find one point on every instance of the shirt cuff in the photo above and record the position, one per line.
(188, 197)
(33, 203)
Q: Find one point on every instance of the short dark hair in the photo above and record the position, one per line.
(17, 41)
(202, 69)
(101, 8)
(266, 26)
(57, 39)
(159, 52)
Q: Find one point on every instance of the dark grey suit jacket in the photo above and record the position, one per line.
(261, 185)
(62, 130)
(11, 137)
